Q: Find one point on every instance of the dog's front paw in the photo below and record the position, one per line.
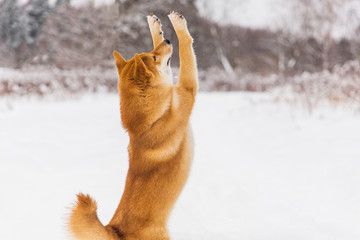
(155, 24)
(178, 21)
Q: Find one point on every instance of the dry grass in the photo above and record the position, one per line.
(340, 86)
(46, 81)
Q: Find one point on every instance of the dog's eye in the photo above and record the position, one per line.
(154, 58)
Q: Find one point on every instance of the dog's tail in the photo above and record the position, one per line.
(84, 223)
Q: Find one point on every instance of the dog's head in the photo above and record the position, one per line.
(144, 80)
(145, 70)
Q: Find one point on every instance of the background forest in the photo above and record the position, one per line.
(61, 48)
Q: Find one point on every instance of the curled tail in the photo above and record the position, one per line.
(84, 223)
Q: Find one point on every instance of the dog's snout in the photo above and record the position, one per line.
(167, 41)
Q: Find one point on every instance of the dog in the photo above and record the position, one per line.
(155, 113)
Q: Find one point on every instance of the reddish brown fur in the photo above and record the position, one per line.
(156, 115)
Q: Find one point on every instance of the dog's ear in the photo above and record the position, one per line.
(119, 61)
(140, 70)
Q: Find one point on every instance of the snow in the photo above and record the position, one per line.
(262, 170)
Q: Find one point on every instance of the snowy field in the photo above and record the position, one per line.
(262, 170)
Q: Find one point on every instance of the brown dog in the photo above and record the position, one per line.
(156, 115)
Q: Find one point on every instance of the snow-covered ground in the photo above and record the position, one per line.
(262, 169)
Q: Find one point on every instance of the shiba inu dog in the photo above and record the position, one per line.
(156, 115)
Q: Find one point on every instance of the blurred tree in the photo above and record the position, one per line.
(35, 17)
(341, 52)
(315, 19)
(59, 3)
(12, 31)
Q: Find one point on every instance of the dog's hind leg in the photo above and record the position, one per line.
(157, 33)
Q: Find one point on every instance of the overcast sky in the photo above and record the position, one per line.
(255, 13)
(78, 2)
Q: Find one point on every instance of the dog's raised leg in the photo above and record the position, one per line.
(188, 71)
(157, 33)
